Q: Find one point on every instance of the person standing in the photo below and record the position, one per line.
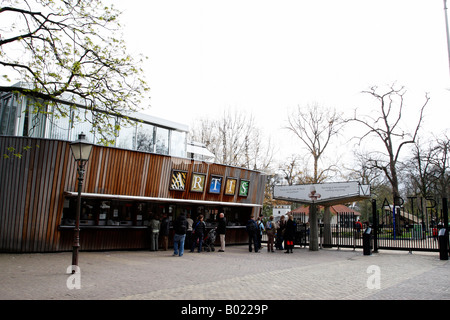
(289, 234)
(190, 222)
(358, 227)
(179, 227)
(252, 229)
(261, 229)
(154, 232)
(164, 231)
(221, 230)
(270, 231)
(198, 231)
(280, 233)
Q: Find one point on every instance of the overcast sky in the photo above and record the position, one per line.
(268, 56)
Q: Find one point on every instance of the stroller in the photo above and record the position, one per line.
(208, 242)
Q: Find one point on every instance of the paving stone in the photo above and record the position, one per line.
(233, 275)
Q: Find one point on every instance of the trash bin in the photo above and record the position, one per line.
(443, 244)
(367, 242)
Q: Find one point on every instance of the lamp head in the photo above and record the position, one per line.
(81, 149)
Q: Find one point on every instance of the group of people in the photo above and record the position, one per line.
(186, 233)
(277, 233)
(190, 234)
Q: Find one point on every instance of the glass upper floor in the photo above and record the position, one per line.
(19, 116)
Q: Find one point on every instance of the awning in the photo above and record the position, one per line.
(161, 200)
(199, 150)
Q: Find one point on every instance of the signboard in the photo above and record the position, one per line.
(215, 184)
(230, 186)
(198, 182)
(178, 180)
(243, 188)
(322, 192)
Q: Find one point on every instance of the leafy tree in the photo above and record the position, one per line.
(70, 50)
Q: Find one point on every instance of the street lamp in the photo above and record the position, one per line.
(81, 151)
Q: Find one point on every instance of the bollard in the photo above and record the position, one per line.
(443, 244)
(367, 242)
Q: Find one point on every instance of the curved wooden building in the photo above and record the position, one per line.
(121, 190)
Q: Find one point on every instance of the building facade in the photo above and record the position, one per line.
(124, 187)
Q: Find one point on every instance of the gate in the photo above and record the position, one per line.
(345, 233)
(392, 228)
(301, 236)
(411, 229)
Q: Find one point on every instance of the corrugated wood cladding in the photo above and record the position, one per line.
(32, 190)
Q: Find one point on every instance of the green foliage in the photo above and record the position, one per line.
(71, 48)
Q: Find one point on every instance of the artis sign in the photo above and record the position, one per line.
(322, 193)
(199, 182)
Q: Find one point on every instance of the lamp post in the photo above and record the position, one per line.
(81, 151)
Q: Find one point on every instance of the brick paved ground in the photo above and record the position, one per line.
(234, 275)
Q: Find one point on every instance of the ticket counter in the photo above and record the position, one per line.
(122, 188)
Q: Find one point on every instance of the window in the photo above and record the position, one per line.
(58, 126)
(29, 117)
(126, 136)
(82, 122)
(34, 120)
(178, 144)
(145, 140)
(162, 141)
(98, 212)
(8, 109)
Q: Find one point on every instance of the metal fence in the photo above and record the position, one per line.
(412, 234)
(408, 237)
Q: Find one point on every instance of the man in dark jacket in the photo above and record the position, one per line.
(164, 232)
(252, 229)
(179, 227)
(221, 230)
(198, 231)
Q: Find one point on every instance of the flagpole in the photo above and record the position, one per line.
(446, 30)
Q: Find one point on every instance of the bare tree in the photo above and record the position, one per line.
(294, 170)
(205, 131)
(441, 166)
(385, 125)
(419, 170)
(235, 140)
(290, 169)
(363, 171)
(315, 127)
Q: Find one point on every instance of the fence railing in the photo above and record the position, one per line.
(345, 233)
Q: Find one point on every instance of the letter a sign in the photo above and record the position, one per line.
(178, 180)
